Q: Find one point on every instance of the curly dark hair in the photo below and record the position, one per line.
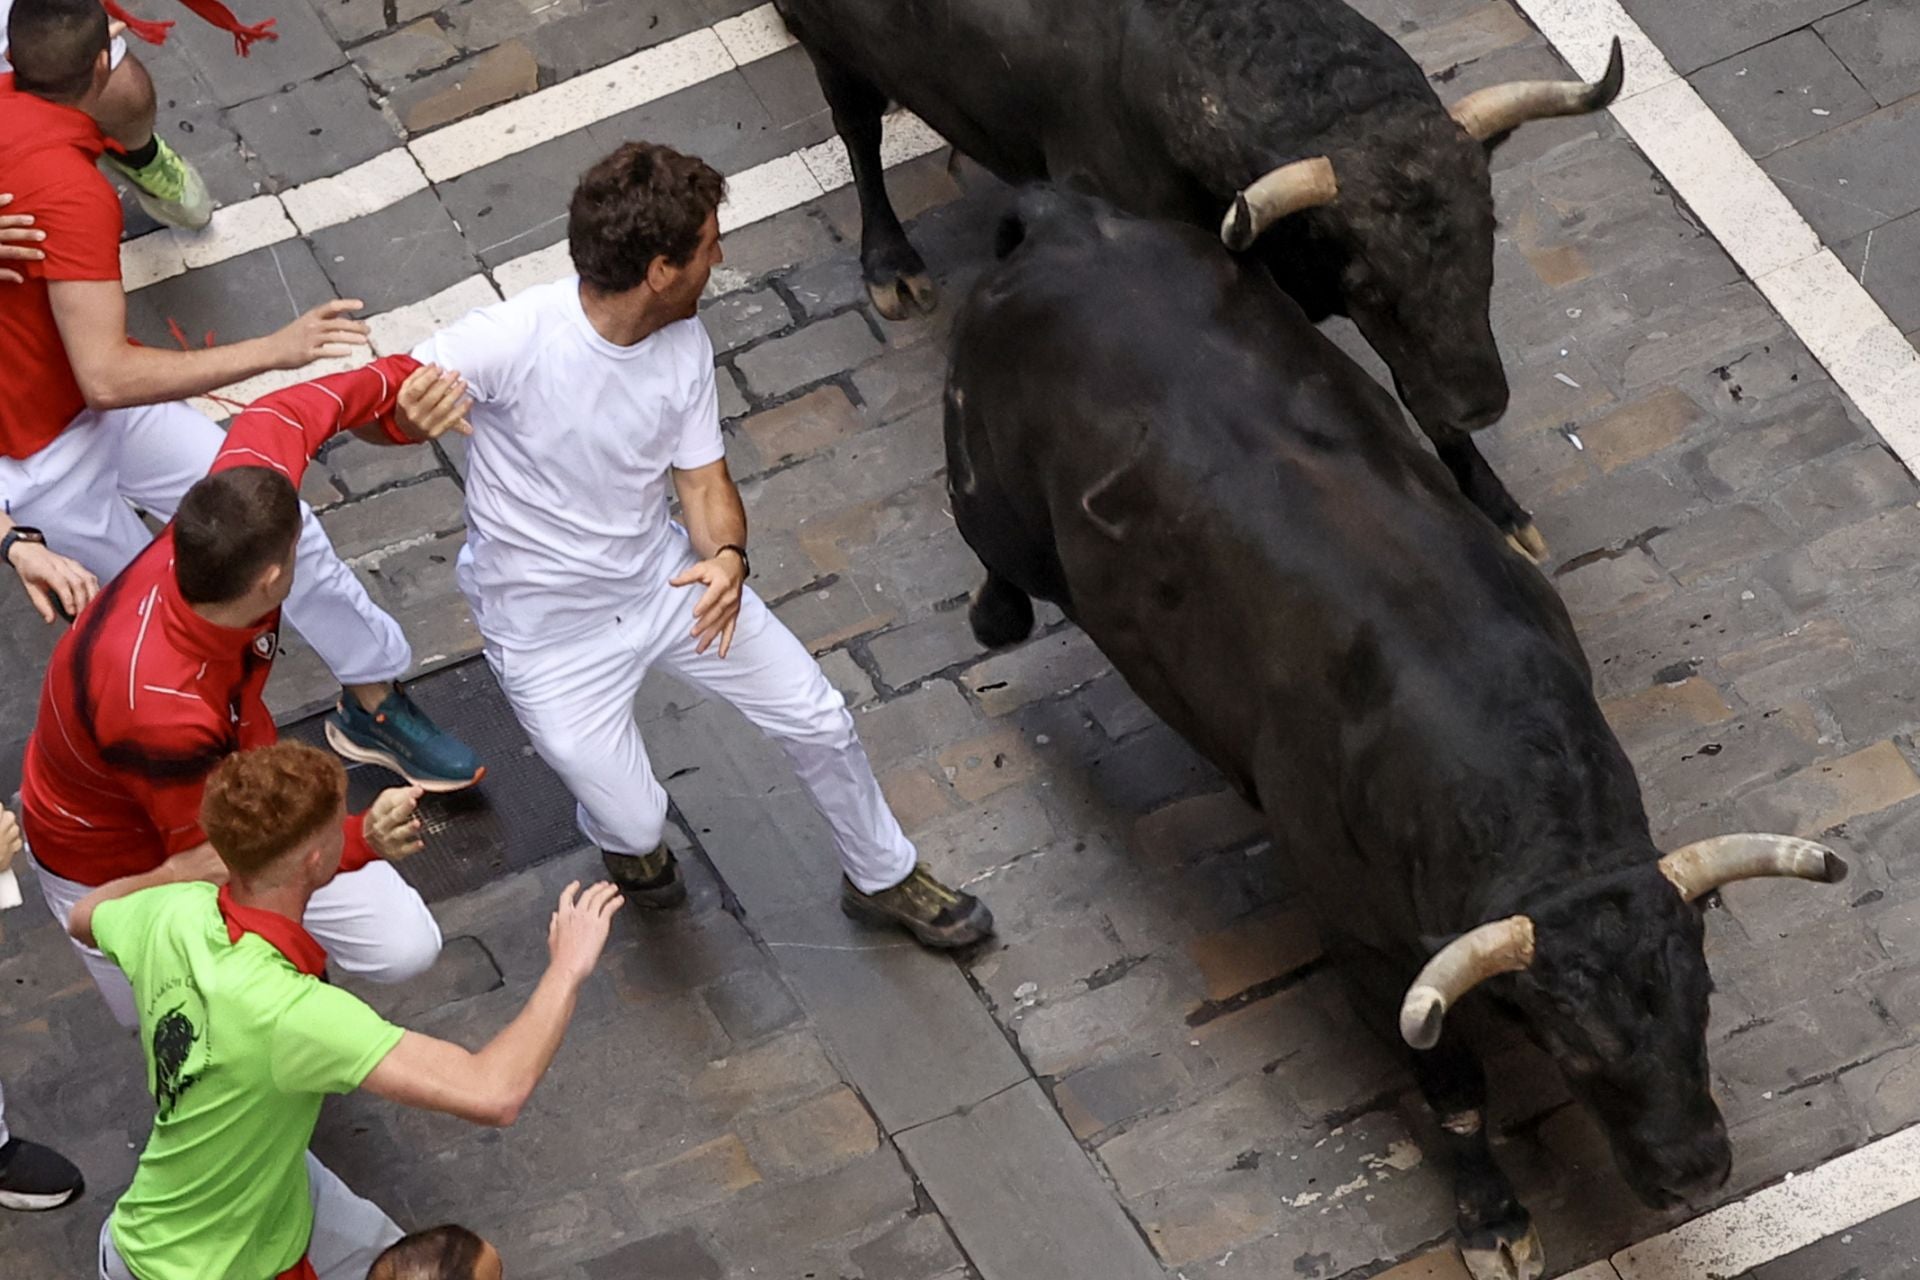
(644, 201)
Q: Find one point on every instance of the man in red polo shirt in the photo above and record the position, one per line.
(87, 419)
(161, 678)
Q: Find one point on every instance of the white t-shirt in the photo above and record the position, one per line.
(569, 468)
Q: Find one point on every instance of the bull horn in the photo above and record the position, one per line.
(1303, 184)
(1502, 946)
(1497, 109)
(1705, 865)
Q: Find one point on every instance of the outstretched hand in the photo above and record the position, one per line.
(326, 331)
(10, 841)
(432, 402)
(392, 825)
(578, 930)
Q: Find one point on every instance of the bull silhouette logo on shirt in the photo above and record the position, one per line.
(174, 1036)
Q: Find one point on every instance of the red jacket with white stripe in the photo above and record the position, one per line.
(144, 696)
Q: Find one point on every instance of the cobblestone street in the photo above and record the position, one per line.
(1152, 1071)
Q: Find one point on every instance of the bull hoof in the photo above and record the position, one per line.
(1001, 614)
(1490, 1257)
(1527, 541)
(904, 296)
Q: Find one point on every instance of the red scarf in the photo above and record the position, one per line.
(211, 10)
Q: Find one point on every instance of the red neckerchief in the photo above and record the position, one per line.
(213, 11)
(287, 937)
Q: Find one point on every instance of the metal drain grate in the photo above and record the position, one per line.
(519, 816)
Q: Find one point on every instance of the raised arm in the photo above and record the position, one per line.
(490, 1087)
(404, 401)
(112, 373)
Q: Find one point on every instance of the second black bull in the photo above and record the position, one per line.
(1146, 431)
(1297, 127)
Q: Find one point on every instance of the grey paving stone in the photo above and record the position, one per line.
(773, 244)
(1839, 180)
(751, 1005)
(1880, 43)
(787, 87)
(351, 21)
(432, 506)
(920, 1247)
(417, 584)
(1883, 260)
(805, 1225)
(1022, 1198)
(720, 120)
(608, 31)
(680, 1254)
(912, 653)
(829, 285)
(1691, 37)
(463, 969)
(1041, 668)
(187, 116)
(482, 24)
(244, 297)
(1717, 541)
(900, 382)
(314, 129)
(739, 318)
(404, 53)
(815, 352)
(733, 405)
(1782, 92)
(360, 467)
(514, 206)
(1844, 485)
(302, 50)
(901, 1021)
(401, 254)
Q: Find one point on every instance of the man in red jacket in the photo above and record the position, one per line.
(161, 678)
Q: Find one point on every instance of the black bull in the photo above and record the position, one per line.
(1169, 108)
(1146, 431)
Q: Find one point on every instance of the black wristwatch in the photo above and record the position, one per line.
(19, 533)
(746, 565)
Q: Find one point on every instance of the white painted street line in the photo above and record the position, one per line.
(459, 148)
(1783, 1218)
(591, 96)
(377, 184)
(1830, 311)
(405, 328)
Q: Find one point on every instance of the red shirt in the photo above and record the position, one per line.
(144, 697)
(47, 154)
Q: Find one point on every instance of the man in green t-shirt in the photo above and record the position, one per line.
(243, 1040)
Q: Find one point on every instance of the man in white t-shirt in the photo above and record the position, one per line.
(594, 402)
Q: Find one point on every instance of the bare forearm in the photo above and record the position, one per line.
(716, 519)
(146, 375)
(512, 1062)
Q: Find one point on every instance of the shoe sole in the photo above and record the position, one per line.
(977, 925)
(343, 745)
(22, 1202)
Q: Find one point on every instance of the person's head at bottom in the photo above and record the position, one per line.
(439, 1253)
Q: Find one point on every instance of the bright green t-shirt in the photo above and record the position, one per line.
(241, 1048)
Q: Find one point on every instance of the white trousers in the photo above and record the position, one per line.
(349, 1231)
(575, 701)
(72, 490)
(4, 1134)
(372, 923)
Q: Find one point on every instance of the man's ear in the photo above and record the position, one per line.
(660, 273)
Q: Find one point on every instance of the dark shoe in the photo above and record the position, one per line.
(399, 736)
(33, 1177)
(647, 879)
(938, 916)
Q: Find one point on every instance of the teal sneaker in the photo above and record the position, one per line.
(399, 736)
(168, 188)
